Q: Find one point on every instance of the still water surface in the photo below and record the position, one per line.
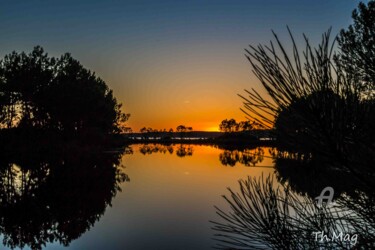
(170, 198)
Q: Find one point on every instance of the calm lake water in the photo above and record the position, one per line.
(170, 197)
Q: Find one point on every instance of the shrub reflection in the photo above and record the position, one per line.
(55, 196)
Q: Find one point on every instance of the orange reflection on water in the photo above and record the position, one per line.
(172, 198)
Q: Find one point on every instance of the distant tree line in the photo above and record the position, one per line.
(230, 125)
(150, 133)
(180, 128)
(43, 92)
(151, 130)
(183, 128)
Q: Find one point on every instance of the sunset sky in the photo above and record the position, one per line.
(168, 62)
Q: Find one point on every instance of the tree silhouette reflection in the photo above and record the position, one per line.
(155, 148)
(181, 150)
(184, 150)
(247, 157)
(228, 157)
(55, 196)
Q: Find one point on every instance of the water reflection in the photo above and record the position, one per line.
(228, 157)
(309, 178)
(56, 195)
(285, 215)
(247, 157)
(177, 195)
(181, 150)
(265, 216)
(184, 150)
(155, 148)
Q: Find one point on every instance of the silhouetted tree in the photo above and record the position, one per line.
(224, 126)
(357, 47)
(77, 99)
(127, 129)
(181, 128)
(38, 91)
(143, 130)
(23, 78)
(228, 125)
(245, 126)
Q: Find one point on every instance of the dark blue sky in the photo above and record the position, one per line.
(169, 62)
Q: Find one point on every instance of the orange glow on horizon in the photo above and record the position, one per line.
(198, 123)
(212, 129)
(160, 126)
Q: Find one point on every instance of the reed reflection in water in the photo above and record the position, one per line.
(263, 215)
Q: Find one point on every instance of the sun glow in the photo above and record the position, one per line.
(213, 129)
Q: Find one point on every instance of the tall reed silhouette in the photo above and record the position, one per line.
(313, 105)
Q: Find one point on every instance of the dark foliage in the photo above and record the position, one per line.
(314, 106)
(38, 91)
(230, 125)
(357, 48)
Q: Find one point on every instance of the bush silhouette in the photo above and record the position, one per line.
(38, 91)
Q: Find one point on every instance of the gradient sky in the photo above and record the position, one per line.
(168, 62)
